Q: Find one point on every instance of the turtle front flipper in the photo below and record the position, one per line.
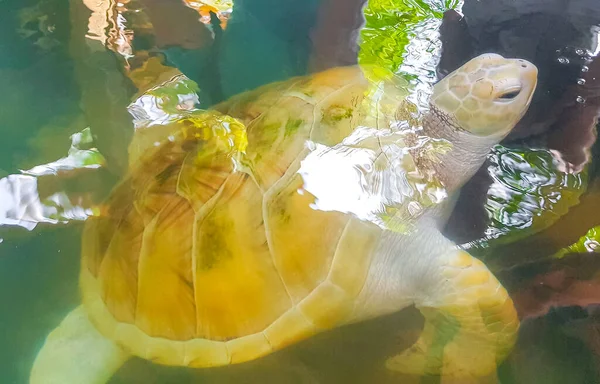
(470, 323)
(75, 352)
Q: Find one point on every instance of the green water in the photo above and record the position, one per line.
(543, 222)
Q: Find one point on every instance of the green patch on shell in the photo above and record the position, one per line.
(279, 207)
(336, 113)
(214, 244)
(225, 133)
(291, 127)
(263, 138)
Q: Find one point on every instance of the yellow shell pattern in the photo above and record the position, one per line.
(210, 253)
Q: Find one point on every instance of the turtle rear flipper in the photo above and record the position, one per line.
(75, 352)
(470, 324)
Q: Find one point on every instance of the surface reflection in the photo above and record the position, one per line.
(62, 191)
(526, 193)
(20, 201)
(371, 171)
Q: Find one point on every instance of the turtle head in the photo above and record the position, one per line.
(487, 96)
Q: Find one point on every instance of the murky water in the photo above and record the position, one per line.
(80, 79)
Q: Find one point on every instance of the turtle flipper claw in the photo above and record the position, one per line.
(470, 326)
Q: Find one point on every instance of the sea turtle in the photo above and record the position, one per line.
(290, 210)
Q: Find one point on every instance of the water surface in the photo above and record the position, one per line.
(78, 78)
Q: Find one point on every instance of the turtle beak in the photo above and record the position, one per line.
(529, 76)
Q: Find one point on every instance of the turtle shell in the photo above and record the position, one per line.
(209, 252)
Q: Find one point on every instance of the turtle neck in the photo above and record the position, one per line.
(468, 152)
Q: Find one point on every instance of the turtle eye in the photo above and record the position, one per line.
(510, 94)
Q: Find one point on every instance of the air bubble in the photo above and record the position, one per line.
(580, 52)
(580, 100)
(584, 68)
(581, 81)
(563, 60)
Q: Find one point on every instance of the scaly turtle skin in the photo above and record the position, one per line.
(290, 210)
